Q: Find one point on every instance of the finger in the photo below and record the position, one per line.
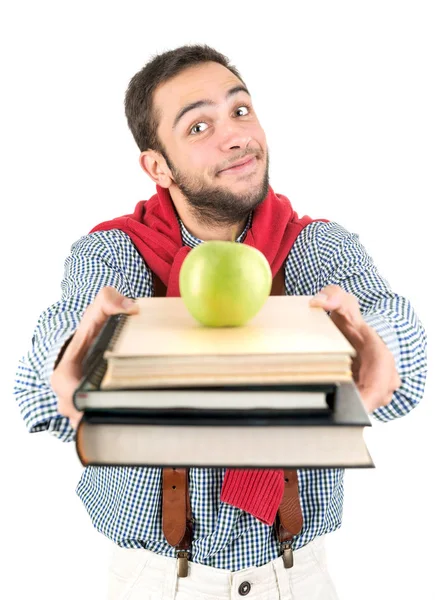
(336, 300)
(374, 393)
(107, 302)
(332, 299)
(68, 410)
(64, 383)
(356, 365)
(368, 398)
(328, 293)
(75, 420)
(372, 399)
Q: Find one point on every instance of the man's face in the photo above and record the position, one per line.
(206, 124)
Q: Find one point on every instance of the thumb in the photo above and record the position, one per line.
(107, 302)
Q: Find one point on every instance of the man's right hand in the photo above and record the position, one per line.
(68, 373)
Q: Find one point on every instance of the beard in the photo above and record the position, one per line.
(213, 206)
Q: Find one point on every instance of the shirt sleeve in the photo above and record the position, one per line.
(91, 266)
(334, 256)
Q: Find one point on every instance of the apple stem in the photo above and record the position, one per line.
(233, 233)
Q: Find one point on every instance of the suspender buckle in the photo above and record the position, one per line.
(287, 555)
(182, 563)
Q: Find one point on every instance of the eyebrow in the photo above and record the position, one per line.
(199, 103)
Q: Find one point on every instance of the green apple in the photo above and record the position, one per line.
(224, 284)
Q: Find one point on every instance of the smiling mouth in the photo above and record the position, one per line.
(248, 165)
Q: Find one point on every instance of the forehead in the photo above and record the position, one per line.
(209, 81)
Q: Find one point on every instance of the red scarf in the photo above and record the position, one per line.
(155, 231)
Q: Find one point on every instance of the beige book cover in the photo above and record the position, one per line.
(284, 325)
(286, 342)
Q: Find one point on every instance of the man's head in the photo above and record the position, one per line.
(192, 117)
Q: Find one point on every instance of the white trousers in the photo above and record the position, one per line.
(136, 574)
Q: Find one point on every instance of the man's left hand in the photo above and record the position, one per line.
(373, 367)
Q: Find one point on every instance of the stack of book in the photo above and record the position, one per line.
(160, 390)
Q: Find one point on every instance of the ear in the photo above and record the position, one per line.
(155, 166)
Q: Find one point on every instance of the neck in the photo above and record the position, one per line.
(205, 231)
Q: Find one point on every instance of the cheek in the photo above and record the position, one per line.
(187, 158)
(260, 136)
(201, 158)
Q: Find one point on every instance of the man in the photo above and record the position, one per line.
(193, 119)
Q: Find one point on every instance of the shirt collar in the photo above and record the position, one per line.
(192, 241)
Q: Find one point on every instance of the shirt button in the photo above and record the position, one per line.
(244, 588)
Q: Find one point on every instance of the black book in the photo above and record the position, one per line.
(243, 438)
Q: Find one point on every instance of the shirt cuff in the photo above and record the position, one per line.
(57, 425)
(41, 419)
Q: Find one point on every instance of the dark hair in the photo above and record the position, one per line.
(142, 117)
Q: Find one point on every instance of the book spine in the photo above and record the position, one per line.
(79, 443)
(94, 364)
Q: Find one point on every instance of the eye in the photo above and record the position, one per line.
(197, 128)
(244, 109)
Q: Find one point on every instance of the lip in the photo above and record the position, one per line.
(241, 166)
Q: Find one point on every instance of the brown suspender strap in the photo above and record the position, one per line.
(177, 520)
(159, 287)
(278, 283)
(177, 515)
(289, 519)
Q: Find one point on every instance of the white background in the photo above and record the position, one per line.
(345, 92)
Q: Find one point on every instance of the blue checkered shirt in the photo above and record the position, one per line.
(125, 503)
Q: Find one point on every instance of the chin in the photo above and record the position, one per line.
(251, 188)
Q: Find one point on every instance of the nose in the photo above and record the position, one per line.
(234, 135)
